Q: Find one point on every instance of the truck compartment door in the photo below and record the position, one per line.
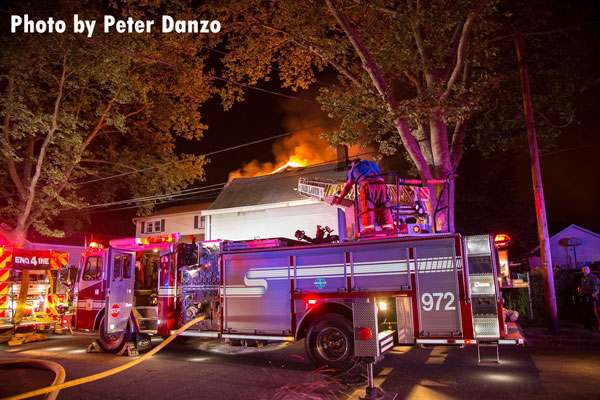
(257, 293)
(436, 281)
(483, 286)
(120, 281)
(167, 290)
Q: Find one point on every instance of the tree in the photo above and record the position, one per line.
(412, 73)
(76, 112)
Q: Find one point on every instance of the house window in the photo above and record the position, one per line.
(202, 224)
(154, 226)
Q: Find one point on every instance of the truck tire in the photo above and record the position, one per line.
(112, 343)
(330, 342)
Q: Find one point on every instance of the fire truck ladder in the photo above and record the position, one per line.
(404, 195)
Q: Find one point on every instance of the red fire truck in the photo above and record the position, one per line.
(347, 300)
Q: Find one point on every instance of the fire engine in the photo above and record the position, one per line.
(347, 300)
(47, 298)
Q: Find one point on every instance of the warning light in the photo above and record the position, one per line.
(416, 229)
(365, 333)
(501, 240)
(159, 239)
(467, 341)
(312, 301)
(93, 244)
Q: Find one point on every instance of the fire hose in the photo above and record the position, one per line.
(75, 382)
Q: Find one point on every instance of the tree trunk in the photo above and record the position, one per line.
(18, 239)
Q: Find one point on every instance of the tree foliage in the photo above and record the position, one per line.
(414, 76)
(77, 112)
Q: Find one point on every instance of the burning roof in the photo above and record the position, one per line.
(274, 188)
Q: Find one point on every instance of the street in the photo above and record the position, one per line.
(214, 370)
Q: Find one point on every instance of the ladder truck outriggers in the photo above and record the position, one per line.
(350, 300)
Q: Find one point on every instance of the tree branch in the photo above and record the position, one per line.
(460, 130)
(27, 162)
(370, 65)
(92, 160)
(67, 174)
(12, 168)
(542, 33)
(461, 50)
(423, 52)
(415, 81)
(23, 218)
(131, 114)
(311, 45)
(344, 71)
(389, 11)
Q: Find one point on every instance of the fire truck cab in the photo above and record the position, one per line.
(347, 300)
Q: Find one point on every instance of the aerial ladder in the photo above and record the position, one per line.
(406, 197)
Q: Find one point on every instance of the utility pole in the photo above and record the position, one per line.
(538, 191)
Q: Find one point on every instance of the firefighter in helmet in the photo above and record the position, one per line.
(372, 195)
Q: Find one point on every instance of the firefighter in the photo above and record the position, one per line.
(139, 275)
(372, 195)
(589, 288)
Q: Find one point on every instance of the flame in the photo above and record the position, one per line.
(291, 164)
(299, 150)
(304, 148)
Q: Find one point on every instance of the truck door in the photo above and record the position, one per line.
(120, 281)
(88, 295)
(436, 281)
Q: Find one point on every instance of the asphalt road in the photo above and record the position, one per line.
(214, 370)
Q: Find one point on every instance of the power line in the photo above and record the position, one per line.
(202, 190)
(196, 157)
(145, 199)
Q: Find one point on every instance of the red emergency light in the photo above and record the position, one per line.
(311, 301)
(501, 240)
(416, 229)
(159, 239)
(365, 333)
(95, 245)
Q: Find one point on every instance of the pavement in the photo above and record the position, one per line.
(571, 335)
(563, 368)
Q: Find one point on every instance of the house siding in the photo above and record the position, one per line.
(273, 222)
(586, 253)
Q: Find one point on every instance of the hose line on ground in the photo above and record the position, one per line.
(59, 371)
(104, 374)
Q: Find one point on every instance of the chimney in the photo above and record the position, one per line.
(342, 157)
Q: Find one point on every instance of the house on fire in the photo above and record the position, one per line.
(260, 207)
(269, 206)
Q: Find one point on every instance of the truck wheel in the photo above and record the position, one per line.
(330, 341)
(111, 343)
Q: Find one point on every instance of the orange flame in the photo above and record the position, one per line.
(299, 150)
(291, 164)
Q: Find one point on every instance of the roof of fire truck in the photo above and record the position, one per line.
(273, 188)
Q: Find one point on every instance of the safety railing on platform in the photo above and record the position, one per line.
(406, 198)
